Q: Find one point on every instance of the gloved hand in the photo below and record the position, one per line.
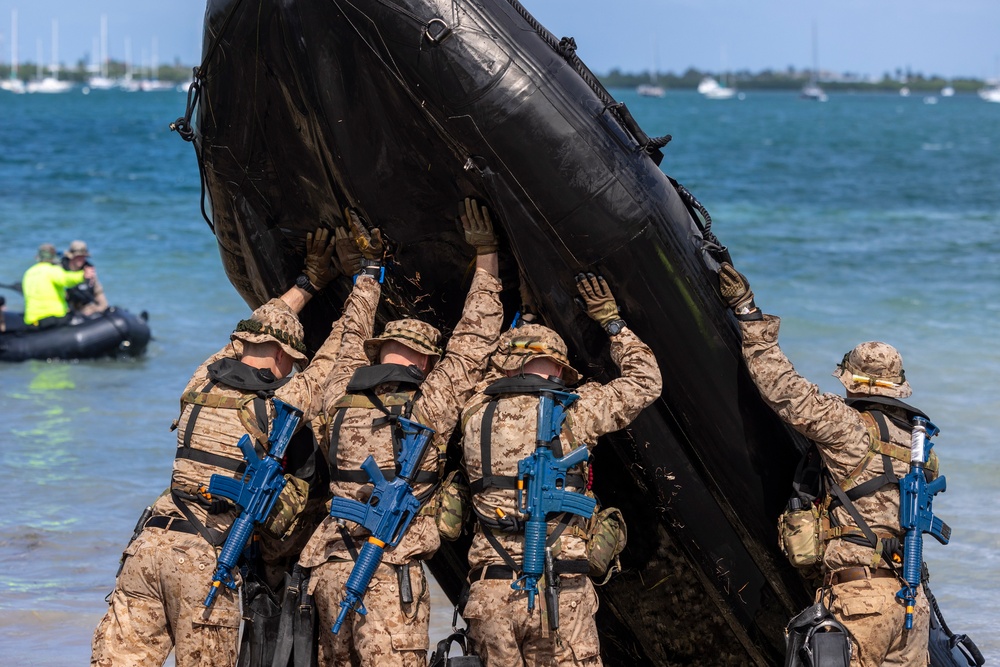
(319, 270)
(347, 251)
(370, 244)
(478, 228)
(735, 290)
(597, 298)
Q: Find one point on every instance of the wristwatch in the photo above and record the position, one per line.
(303, 283)
(614, 327)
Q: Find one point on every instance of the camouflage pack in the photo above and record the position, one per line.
(287, 509)
(606, 539)
(453, 505)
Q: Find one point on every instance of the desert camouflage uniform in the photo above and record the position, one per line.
(158, 599)
(393, 633)
(504, 632)
(868, 607)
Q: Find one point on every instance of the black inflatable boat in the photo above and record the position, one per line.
(402, 107)
(115, 332)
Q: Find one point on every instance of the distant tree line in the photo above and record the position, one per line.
(792, 79)
(768, 79)
(82, 71)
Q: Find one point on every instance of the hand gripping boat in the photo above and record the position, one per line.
(400, 108)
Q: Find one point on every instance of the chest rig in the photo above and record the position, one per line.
(391, 405)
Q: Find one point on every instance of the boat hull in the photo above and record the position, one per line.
(400, 109)
(115, 332)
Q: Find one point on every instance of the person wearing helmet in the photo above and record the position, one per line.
(499, 430)
(864, 443)
(88, 297)
(157, 604)
(402, 372)
(44, 286)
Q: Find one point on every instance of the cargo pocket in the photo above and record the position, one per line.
(577, 607)
(859, 607)
(408, 641)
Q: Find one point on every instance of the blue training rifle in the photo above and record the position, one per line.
(915, 515)
(541, 490)
(386, 515)
(255, 493)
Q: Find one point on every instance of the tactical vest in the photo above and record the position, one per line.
(251, 409)
(527, 384)
(361, 394)
(808, 525)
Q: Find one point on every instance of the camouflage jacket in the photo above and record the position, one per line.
(839, 432)
(442, 394)
(216, 431)
(601, 408)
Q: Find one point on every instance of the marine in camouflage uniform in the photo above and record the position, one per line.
(157, 604)
(371, 381)
(503, 426)
(860, 439)
(88, 297)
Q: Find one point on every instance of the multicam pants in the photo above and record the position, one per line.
(158, 605)
(505, 634)
(391, 634)
(870, 610)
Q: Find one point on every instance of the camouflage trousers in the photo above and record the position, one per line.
(158, 605)
(391, 634)
(870, 610)
(505, 634)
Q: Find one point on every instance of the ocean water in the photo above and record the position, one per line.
(867, 217)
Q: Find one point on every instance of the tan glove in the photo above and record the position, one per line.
(597, 298)
(347, 251)
(370, 244)
(735, 290)
(478, 228)
(319, 269)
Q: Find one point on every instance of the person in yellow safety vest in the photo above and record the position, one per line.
(44, 286)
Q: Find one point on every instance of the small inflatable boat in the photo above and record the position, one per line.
(115, 332)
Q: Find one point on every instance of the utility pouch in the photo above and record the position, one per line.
(288, 509)
(454, 505)
(442, 658)
(799, 534)
(815, 638)
(606, 538)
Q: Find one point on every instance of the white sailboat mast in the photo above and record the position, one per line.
(13, 44)
(54, 67)
(104, 45)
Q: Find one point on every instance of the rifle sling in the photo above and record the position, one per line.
(214, 538)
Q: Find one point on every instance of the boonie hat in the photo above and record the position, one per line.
(874, 368)
(414, 334)
(78, 249)
(46, 253)
(533, 341)
(276, 324)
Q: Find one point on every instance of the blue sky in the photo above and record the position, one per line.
(948, 37)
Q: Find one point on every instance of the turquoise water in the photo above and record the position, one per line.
(868, 217)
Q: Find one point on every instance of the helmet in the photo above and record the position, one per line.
(533, 341)
(414, 334)
(874, 368)
(274, 322)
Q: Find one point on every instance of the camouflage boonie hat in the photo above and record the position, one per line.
(533, 341)
(78, 249)
(414, 334)
(46, 253)
(875, 369)
(277, 324)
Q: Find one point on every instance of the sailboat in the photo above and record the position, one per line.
(153, 83)
(13, 84)
(102, 81)
(51, 83)
(812, 91)
(652, 89)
